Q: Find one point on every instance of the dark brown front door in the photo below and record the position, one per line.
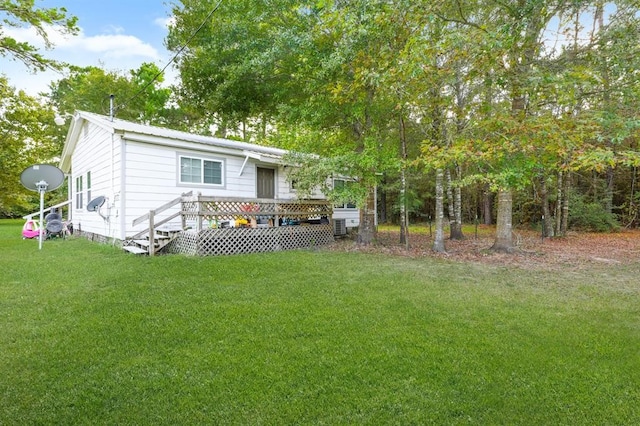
(266, 182)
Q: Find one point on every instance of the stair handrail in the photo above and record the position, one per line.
(31, 215)
(162, 208)
(150, 217)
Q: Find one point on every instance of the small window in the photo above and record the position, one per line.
(88, 187)
(339, 185)
(79, 198)
(201, 171)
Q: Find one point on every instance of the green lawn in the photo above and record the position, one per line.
(91, 335)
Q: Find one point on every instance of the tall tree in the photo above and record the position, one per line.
(512, 33)
(318, 66)
(236, 59)
(137, 96)
(27, 136)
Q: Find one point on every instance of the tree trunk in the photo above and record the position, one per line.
(546, 212)
(564, 224)
(367, 228)
(455, 210)
(450, 207)
(632, 209)
(487, 206)
(404, 222)
(404, 214)
(559, 199)
(608, 196)
(382, 201)
(438, 241)
(504, 231)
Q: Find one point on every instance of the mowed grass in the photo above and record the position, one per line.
(92, 335)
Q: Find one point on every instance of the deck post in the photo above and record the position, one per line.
(183, 217)
(152, 245)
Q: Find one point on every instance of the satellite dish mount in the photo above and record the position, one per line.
(95, 205)
(42, 178)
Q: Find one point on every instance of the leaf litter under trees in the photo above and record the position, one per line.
(578, 250)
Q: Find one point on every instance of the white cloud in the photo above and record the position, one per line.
(112, 50)
(115, 45)
(165, 22)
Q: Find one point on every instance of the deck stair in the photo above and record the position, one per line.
(161, 232)
(141, 244)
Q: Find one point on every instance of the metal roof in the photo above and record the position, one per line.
(154, 135)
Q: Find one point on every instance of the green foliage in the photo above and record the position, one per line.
(481, 83)
(239, 63)
(137, 96)
(587, 215)
(28, 136)
(312, 174)
(309, 337)
(19, 13)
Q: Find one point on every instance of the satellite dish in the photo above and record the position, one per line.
(42, 178)
(95, 204)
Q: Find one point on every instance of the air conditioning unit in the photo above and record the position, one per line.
(339, 227)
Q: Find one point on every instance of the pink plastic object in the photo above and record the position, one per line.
(30, 229)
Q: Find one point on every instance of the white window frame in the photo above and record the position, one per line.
(88, 185)
(345, 206)
(202, 161)
(78, 191)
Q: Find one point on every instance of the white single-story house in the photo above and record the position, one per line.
(133, 168)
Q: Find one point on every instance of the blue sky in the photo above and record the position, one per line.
(114, 34)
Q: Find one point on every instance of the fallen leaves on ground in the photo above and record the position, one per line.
(577, 250)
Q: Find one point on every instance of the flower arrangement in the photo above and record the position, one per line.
(250, 208)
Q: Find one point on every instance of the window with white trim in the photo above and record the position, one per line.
(88, 187)
(339, 185)
(78, 193)
(201, 171)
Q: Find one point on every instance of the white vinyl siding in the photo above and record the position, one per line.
(96, 172)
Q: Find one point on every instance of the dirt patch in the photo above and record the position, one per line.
(577, 250)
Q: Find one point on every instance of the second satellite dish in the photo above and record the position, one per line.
(95, 204)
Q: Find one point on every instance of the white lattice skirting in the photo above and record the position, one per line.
(215, 242)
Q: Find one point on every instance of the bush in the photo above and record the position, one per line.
(588, 215)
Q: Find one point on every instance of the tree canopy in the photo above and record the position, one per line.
(520, 97)
(507, 93)
(19, 13)
(137, 95)
(28, 136)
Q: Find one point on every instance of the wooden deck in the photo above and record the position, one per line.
(212, 226)
(216, 242)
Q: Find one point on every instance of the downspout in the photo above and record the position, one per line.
(69, 198)
(123, 193)
(112, 197)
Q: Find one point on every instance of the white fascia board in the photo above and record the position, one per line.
(179, 144)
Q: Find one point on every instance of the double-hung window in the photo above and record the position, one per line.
(88, 187)
(78, 193)
(201, 171)
(342, 186)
